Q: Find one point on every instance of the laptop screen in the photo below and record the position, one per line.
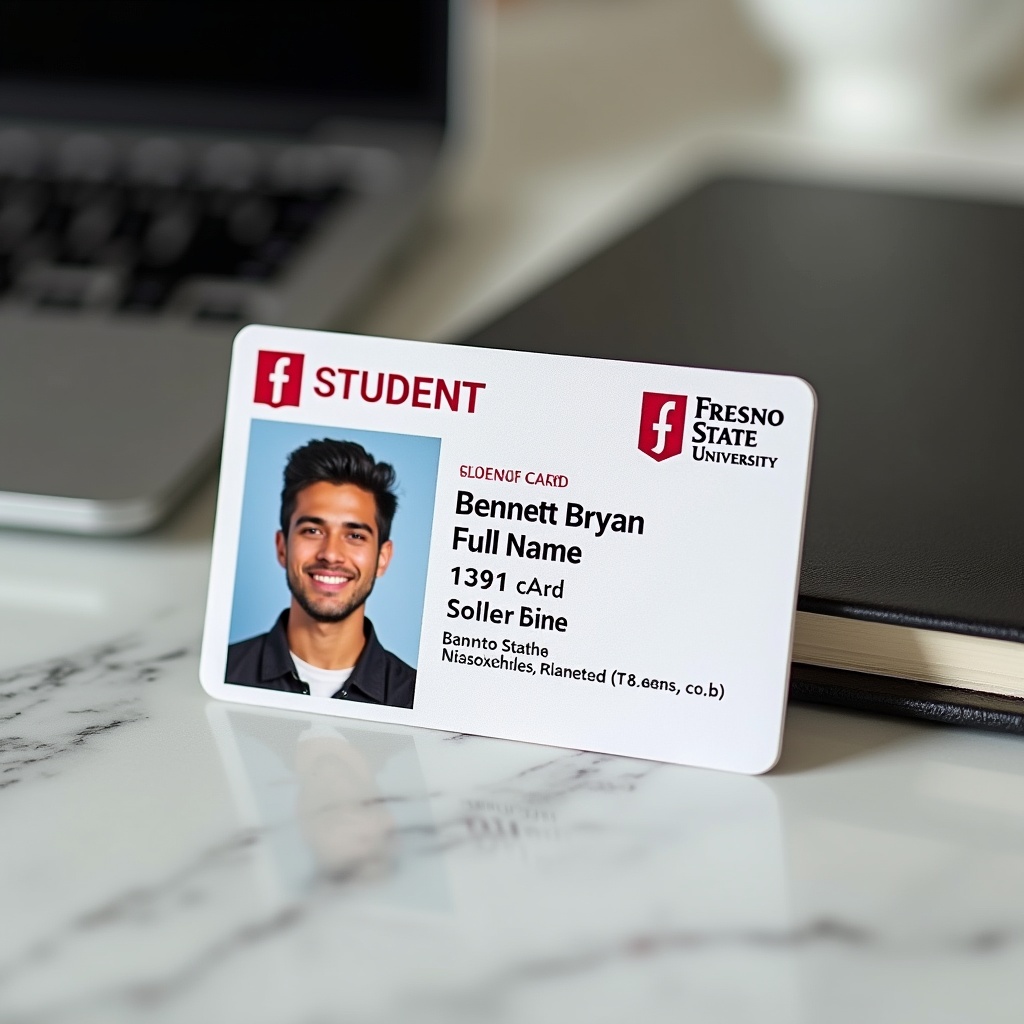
(285, 65)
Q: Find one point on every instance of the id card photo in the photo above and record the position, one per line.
(576, 552)
(324, 514)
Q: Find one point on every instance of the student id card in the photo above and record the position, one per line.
(577, 552)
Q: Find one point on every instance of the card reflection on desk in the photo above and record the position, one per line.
(331, 805)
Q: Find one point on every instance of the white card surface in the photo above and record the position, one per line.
(585, 553)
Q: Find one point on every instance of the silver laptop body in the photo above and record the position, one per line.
(168, 173)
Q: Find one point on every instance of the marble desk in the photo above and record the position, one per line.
(165, 857)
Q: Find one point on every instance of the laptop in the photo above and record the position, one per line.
(170, 171)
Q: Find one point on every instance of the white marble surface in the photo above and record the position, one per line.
(169, 858)
(164, 857)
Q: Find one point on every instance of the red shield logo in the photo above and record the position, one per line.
(661, 425)
(279, 378)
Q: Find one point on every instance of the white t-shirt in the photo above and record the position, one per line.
(322, 682)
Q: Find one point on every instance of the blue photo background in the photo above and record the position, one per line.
(396, 604)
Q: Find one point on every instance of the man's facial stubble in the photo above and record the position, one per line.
(331, 554)
(328, 609)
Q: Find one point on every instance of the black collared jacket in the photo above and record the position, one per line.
(379, 677)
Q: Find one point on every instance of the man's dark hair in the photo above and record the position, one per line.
(339, 462)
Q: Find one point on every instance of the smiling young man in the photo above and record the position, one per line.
(334, 544)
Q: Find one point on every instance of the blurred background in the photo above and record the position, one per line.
(582, 113)
(170, 172)
(575, 106)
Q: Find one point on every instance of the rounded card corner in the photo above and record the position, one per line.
(807, 387)
(210, 688)
(760, 767)
(247, 334)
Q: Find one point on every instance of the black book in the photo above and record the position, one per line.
(906, 313)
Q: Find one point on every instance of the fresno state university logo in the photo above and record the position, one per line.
(661, 425)
(279, 378)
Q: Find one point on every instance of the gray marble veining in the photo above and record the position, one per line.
(171, 858)
(53, 708)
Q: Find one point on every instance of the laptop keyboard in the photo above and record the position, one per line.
(84, 230)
